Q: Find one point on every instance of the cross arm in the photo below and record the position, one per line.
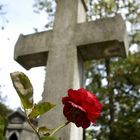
(32, 50)
(102, 38)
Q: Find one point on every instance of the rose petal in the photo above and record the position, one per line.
(77, 106)
(74, 96)
(65, 100)
(82, 121)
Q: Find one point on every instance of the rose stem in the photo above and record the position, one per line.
(58, 128)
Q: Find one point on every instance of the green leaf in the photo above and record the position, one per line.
(44, 131)
(24, 88)
(48, 138)
(40, 109)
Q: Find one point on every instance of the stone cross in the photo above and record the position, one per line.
(64, 49)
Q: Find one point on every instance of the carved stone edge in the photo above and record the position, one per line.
(84, 3)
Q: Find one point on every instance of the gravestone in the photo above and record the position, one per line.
(64, 49)
(17, 127)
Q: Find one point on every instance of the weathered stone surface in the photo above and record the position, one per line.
(103, 38)
(32, 50)
(17, 127)
(62, 67)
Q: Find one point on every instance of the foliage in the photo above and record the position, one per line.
(2, 18)
(4, 112)
(2, 126)
(40, 109)
(120, 96)
(49, 7)
(24, 89)
(117, 80)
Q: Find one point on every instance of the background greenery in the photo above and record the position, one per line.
(120, 93)
(4, 111)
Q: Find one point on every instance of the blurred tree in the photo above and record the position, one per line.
(49, 6)
(2, 126)
(4, 111)
(115, 81)
(1, 6)
(117, 84)
(3, 20)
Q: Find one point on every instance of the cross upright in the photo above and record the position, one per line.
(64, 49)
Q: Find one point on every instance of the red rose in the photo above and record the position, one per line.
(81, 107)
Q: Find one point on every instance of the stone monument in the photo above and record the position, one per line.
(63, 51)
(17, 127)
